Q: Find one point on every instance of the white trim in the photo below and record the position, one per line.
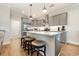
(74, 43)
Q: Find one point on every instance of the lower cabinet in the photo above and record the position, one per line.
(63, 37)
(57, 45)
(63, 19)
(56, 20)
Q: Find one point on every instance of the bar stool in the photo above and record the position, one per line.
(23, 42)
(38, 45)
(28, 41)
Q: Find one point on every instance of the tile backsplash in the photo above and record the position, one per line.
(52, 28)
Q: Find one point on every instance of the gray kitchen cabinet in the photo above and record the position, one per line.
(25, 24)
(63, 19)
(56, 20)
(50, 21)
(37, 23)
(60, 19)
(41, 23)
(63, 37)
(57, 44)
(32, 23)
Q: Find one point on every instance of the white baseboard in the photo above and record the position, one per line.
(7, 41)
(74, 43)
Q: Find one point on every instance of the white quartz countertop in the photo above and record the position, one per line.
(44, 32)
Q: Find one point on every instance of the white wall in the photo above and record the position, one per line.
(73, 22)
(5, 20)
(10, 21)
(15, 24)
(73, 25)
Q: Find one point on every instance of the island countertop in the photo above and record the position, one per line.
(49, 33)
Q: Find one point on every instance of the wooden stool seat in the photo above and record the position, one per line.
(38, 45)
(29, 39)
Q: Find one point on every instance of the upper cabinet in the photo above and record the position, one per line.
(60, 19)
(63, 19)
(50, 21)
(32, 23)
(56, 20)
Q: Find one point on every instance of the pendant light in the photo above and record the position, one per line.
(30, 12)
(44, 9)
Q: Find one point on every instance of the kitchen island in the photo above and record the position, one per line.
(52, 40)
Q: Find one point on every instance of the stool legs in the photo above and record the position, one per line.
(21, 42)
(31, 49)
(44, 50)
(28, 48)
(38, 52)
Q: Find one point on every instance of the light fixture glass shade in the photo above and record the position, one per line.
(44, 9)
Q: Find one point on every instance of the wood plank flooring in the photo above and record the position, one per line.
(14, 49)
(69, 50)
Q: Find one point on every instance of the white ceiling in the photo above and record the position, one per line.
(36, 8)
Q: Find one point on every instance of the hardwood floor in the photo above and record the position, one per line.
(69, 50)
(14, 49)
